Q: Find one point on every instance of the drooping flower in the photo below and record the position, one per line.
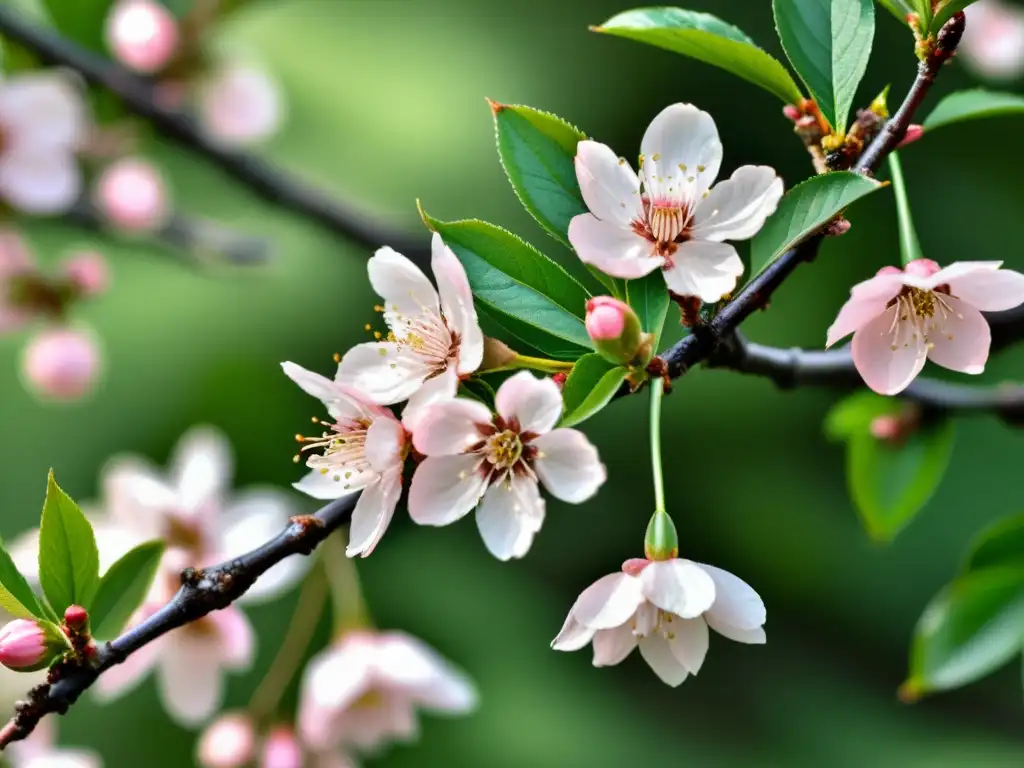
(42, 124)
(61, 363)
(900, 318)
(993, 41)
(240, 104)
(665, 607)
(362, 450)
(669, 216)
(40, 750)
(435, 337)
(496, 460)
(365, 690)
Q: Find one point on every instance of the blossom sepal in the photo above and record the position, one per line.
(661, 541)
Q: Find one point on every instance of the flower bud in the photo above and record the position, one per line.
(791, 112)
(88, 273)
(142, 35)
(661, 541)
(240, 105)
(497, 354)
(913, 133)
(615, 330)
(559, 379)
(76, 617)
(281, 749)
(228, 742)
(25, 645)
(132, 196)
(61, 363)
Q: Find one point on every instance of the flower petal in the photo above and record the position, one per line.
(536, 403)
(509, 516)
(615, 251)
(436, 389)
(682, 155)
(137, 496)
(704, 269)
(450, 427)
(332, 681)
(658, 655)
(201, 469)
(385, 444)
(609, 602)
(343, 403)
(568, 465)
(189, 678)
(678, 586)
(613, 645)
(38, 182)
(407, 664)
(736, 208)
(867, 301)
(237, 641)
(457, 304)
(886, 370)
(401, 284)
(373, 513)
(572, 636)
(754, 636)
(610, 187)
(42, 110)
(385, 372)
(322, 485)
(986, 288)
(125, 677)
(736, 603)
(445, 488)
(688, 639)
(963, 342)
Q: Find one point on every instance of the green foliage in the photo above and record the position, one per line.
(16, 596)
(1002, 543)
(910, 246)
(828, 42)
(803, 210)
(972, 105)
(648, 296)
(69, 563)
(526, 293)
(81, 20)
(589, 388)
(709, 39)
(123, 588)
(898, 8)
(852, 416)
(945, 12)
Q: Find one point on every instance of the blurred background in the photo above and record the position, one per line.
(385, 105)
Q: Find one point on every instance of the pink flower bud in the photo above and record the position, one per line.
(559, 379)
(61, 363)
(88, 272)
(76, 617)
(142, 35)
(23, 645)
(229, 742)
(281, 749)
(133, 196)
(913, 133)
(922, 268)
(791, 112)
(240, 105)
(615, 330)
(606, 318)
(885, 427)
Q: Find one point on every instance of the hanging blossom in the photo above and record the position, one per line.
(665, 607)
(669, 216)
(495, 461)
(900, 318)
(434, 337)
(40, 750)
(993, 41)
(365, 691)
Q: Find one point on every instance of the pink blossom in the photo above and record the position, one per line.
(281, 749)
(142, 35)
(240, 105)
(365, 690)
(132, 195)
(668, 216)
(495, 461)
(899, 319)
(993, 41)
(23, 645)
(88, 272)
(15, 262)
(228, 742)
(61, 363)
(435, 336)
(665, 607)
(40, 750)
(606, 318)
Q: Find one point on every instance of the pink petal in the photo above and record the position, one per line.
(886, 370)
(332, 681)
(385, 444)
(408, 664)
(42, 111)
(385, 372)
(568, 465)
(457, 304)
(867, 301)
(509, 516)
(963, 342)
(682, 154)
(704, 269)
(609, 602)
(451, 427)
(401, 284)
(237, 639)
(436, 389)
(572, 636)
(678, 586)
(610, 187)
(658, 655)
(240, 105)
(736, 208)
(137, 496)
(611, 646)
(754, 636)
(536, 403)
(126, 676)
(736, 603)
(445, 488)
(987, 289)
(201, 469)
(689, 642)
(373, 513)
(190, 680)
(612, 249)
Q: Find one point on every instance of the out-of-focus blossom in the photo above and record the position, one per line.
(142, 35)
(42, 123)
(228, 742)
(132, 195)
(61, 363)
(365, 690)
(993, 41)
(88, 272)
(40, 750)
(15, 262)
(281, 749)
(665, 607)
(240, 104)
(669, 217)
(900, 318)
(495, 460)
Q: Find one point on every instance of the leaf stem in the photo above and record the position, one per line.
(349, 605)
(910, 246)
(657, 391)
(534, 363)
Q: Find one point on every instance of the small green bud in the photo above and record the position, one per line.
(616, 332)
(661, 541)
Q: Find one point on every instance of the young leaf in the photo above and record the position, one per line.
(16, 596)
(890, 483)
(852, 416)
(123, 588)
(972, 627)
(515, 280)
(709, 39)
(944, 13)
(81, 20)
(648, 296)
(69, 563)
(589, 388)
(910, 246)
(1001, 544)
(923, 9)
(898, 8)
(806, 208)
(828, 42)
(972, 105)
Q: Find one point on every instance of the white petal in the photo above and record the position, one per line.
(736, 603)
(509, 516)
(240, 104)
(656, 652)
(333, 679)
(201, 469)
(688, 639)
(39, 182)
(125, 677)
(436, 389)
(568, 465)
(613, 645)
(373, 513)
(385, 444)
(384, 372)
(457, 305)
(678, 586)
(42, 110)
(704, 269)
(137, 496)
(886, 370)
(609, 602)
(990, 290)
(736, 208)
(190, 680)
(754, 636)
(680, 144)
(343, 403)
(235, 638)
(613, 250)
(401, 284)
(610, 187)
(535, 403)
(408, 664)
(445, 488)
(322, 485)
(963, 342)
(450, 427)
(572, 636)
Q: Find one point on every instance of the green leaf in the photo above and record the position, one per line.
(972, 627)
(923, 8)
(69, 563)
(709, 39)
(590, 386)
(898, 8)
(945, 12)
(972, 105)
(910, 246)
(81, 20)
(852, 416)
(517, 282)
(648, 296)
(1001, 544)
(890, 483)
(828, 42)
(123, 588)
(803, 210)
(16, 596)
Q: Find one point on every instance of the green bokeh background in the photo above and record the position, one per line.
(386, 105)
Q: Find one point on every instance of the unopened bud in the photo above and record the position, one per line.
(615, 330)
(497, 355)
(661, 541)
(228, 742)
(142, 35)
(791, 112)
(913, 133)
(76, 617)
(61, 364)
(25, 645)
(281, 749)
(88, 273)
(132, 196)
(240, 105)
(838, 227)
(885, 427)
(559, 379)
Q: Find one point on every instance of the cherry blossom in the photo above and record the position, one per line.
(61, 363)
(228, 742)
(665, 607)
(900, 318)
(435, 337)
(495, 460)
(240, 104)
(88, 272)
(993, 41)
(669, 216)
(132, 195)
(40, 750)
(42, 123)
(142, 34)
(365, 690)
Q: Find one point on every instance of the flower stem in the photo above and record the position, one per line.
(910, 247)
(539, 364)
(657, 391)
(350, 609)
